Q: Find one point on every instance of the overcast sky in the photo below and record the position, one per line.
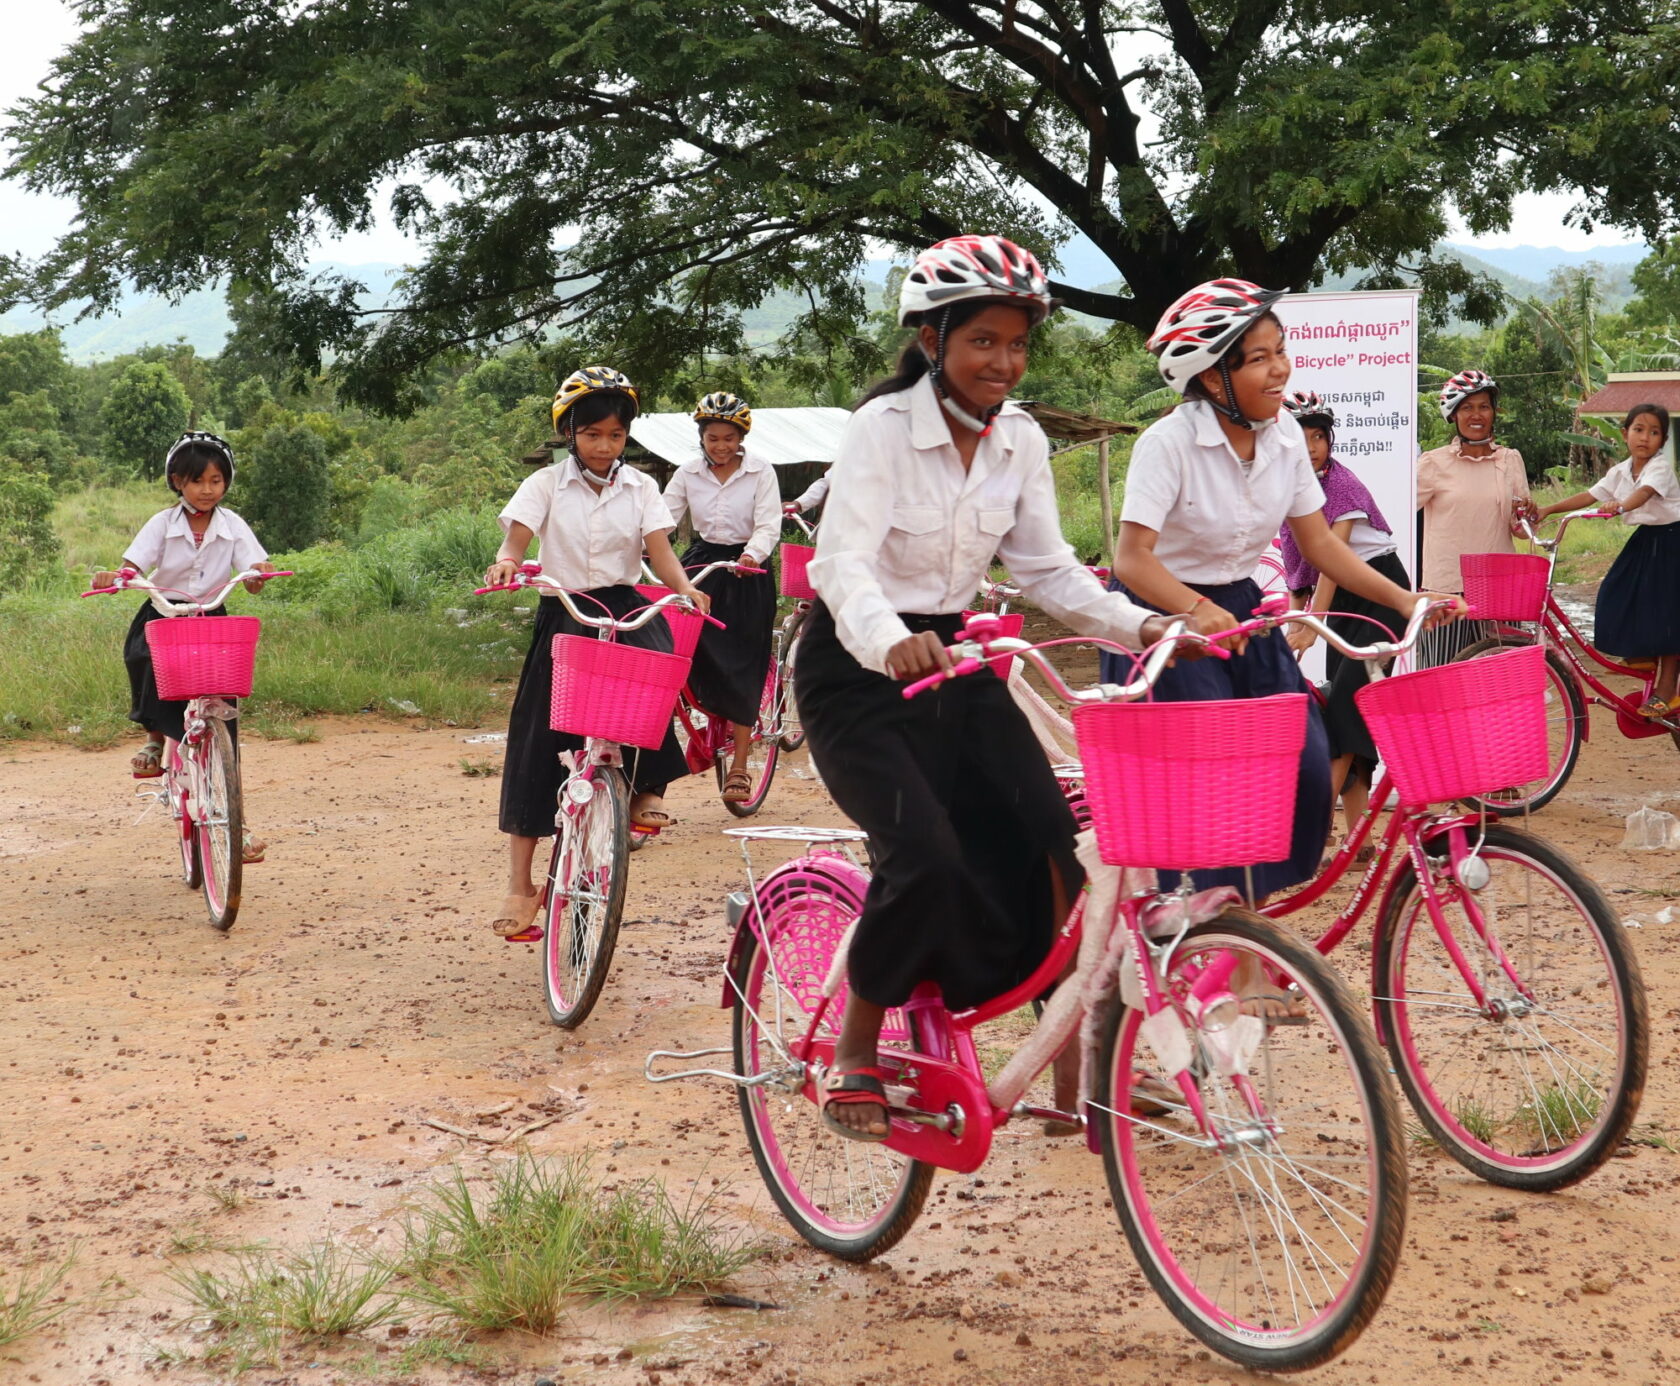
(37, 30)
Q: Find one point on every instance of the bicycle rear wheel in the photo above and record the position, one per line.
(763, 750)
(186, 834)
(1566, 717)
(1536, 1088)
(585, 899)
(221, 826)
(1273, 1231)
(787, 646)
(848, 1198)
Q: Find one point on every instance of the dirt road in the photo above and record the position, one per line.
(150, 1061)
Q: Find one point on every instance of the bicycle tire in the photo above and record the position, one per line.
(763, 751)
(221, 827)
(1473, 1088)
(186, 836)
(792, 731)
(850, 1199)
(1197, 1216)
(1564, 708)
(585, 900)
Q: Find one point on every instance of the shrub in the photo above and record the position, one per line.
(146, 410)
(289, 488)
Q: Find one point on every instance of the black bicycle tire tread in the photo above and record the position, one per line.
(221, 749)
(613, 784)
(1388, 1136)
(1624, 968)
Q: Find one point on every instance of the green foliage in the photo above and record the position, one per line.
(28, 545)
(1292, 142)
(33, 363)
(286, 487)
(146, 410)
(1534, 410)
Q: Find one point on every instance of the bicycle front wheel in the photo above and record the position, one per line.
(1566, 717)
(763, 750)
(186, 833)
(792, 732)
(1272, 1224)
(851, 1199)
(585, 899)
(1535, 1087)
(221, 826)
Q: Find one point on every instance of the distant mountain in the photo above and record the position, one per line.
(1536, 262)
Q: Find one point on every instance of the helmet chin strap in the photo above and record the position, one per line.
(936, 370)
(591, 477)
(1230, 409)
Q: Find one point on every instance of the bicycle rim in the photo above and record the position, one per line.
(585, 900)
(186, 835)
(763, 751)
(1537, 1088)
(221, 827)
(787, 719)
(1565, 717)
(849, 1198)
(1271, 1234)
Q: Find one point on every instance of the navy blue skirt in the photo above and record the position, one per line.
(1266, 667)
(1638, 613)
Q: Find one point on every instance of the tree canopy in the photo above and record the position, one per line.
(635, 173)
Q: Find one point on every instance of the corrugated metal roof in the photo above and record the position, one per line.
(783, 437)
(1619, 396)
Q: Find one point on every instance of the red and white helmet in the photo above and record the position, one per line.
(1462, 386)
(1196, 332)
(1308, 408)
(970, 267)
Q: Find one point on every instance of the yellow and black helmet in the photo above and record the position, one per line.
(722, 407)
(593, 380)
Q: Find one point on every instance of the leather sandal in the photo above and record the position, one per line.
(851, 1086)
(646, 817)
(1657, 709)
(737, 787)
(515, 918)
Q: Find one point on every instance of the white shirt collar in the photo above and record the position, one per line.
(179, 527)
(750, 462)
(571, 473)
(1269, 443)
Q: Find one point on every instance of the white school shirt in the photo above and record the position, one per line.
(814, 494)
(589, 536)
(746, 509)
(1214, 515)
(907, 529)
(165, 552)
(1619, 483)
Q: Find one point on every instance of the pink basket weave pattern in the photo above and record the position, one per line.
(616, 692)
(203, 656)
(1504, 586)
(1460, 729)
(685, 626)
(1187, 785)
(794, 583)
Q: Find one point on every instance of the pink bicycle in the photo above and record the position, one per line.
(609, 694)
(205, 660)
(1514, 592)
(1261, 1184)
(795, 586)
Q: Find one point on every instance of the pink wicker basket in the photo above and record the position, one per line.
(685, 626)
(1504, 586)
(795, 558)
(203, 656)
(1012, 623)
(613, 691)
(1188, 785)
(1461, 729)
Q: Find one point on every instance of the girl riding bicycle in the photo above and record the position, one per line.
(592, 517)
(191, 548)
(1469, 494)
(735, 504)
(973, 841)
(1638, 614)
(1207, 488)
(1354, 518)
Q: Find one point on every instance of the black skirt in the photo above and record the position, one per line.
(727, 677)
(1638, 610)
(155, 714)
(962, 811)
(1349, 736)
(531, 769)
(1266, 667)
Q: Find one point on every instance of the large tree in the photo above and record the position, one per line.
(636, 172)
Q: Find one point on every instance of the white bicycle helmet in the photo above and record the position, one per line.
(1309, 410)
(970, 267)
(1462, 386)
(1194, 334)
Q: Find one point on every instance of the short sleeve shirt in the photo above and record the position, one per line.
(588, 536)
(1467, 505)
(1619, 483)
(165, 551)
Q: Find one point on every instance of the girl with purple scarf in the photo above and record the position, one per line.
(1356, 520)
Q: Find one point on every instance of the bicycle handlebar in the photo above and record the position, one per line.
(130, 580)
(1533, 535)
(532, 575)
(1275, 611)
(806, 527)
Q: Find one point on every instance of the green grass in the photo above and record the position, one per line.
(1589, 546)
(95, 525)
(1561, 1112)
(326, 1291)
(31, 1299)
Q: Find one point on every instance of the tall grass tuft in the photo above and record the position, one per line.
(544, 1233)
(33, 1299)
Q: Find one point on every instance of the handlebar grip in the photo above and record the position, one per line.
(100, 591)
(707, 616)
(752, 572)
(279, 572)
(957, 670)
(499, 587)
